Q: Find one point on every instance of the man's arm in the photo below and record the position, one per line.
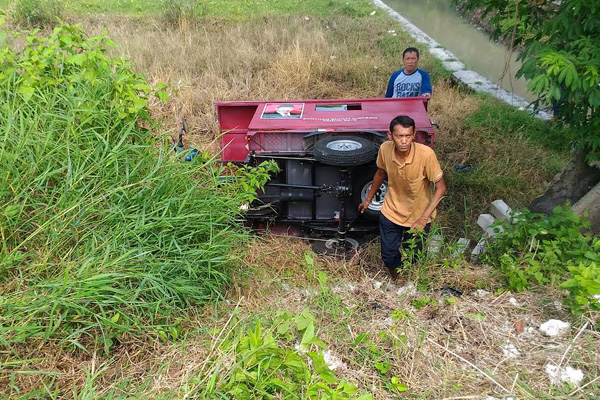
(440, 191)
(390, 87)
(378, 179)
(426, 89)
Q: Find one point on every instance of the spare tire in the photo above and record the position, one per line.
(345, 151)
(361, 184)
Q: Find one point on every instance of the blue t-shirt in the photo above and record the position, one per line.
(408, 85)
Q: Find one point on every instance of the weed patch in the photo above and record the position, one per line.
(541, 250)
(104, 232)
(38, 13)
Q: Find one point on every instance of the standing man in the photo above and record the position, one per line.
(411, 169)
(410, 81)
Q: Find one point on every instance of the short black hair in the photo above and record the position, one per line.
(404, 121)
(410, 50)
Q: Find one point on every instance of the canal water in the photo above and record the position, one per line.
(440, 20)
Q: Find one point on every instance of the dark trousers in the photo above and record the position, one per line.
(394, 237)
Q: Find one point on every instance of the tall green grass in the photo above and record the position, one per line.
(103, 231)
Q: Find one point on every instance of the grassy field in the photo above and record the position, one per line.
(280, 296)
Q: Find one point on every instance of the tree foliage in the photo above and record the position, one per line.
(561, 57)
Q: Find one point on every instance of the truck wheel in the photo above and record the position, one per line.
(345, 151)
(361, 185)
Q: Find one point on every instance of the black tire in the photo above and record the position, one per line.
(361, 183)
(345, 151)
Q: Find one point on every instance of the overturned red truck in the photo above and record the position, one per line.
(326, 151)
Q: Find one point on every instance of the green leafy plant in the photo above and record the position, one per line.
(534, 249)
(263, 363)
(423, 301)
(561, 58)
(249, 179)
(583, 287)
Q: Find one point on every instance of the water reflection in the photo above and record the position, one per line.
(440, 20)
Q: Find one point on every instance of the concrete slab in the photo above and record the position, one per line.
(479, 248)
(461, 246)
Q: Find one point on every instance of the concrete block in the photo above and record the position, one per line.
(479, 248)
(500, 209)
(461, 246)
(485, 220)
(434, 244)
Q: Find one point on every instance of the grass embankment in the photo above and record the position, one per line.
(242, 50)
(105, 235)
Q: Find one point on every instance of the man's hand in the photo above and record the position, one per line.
(419, 224)
(428, 95)
(362, 207)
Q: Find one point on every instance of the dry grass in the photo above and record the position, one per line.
(270, 58)
(357, 298)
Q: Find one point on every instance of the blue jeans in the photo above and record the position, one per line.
(392, 239)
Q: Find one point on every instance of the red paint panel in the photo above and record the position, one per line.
(235, 116)
(234, 147)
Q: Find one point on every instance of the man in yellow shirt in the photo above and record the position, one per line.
(411, 169)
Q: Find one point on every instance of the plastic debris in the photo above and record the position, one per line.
(332, 361)
(554, 327)
(560, 375)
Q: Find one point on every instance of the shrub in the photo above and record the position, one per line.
(38, 13)
(537, 249)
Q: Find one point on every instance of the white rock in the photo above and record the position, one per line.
(332, 57)
(307, 18)
(564, 374)
(392, 31)
(377, 284)
(510, 351)
(373, 13)
(513, 302)
(554, 327)
(332, 361)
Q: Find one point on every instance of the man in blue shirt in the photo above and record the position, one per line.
(410, 81)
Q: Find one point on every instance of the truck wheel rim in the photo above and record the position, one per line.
(344, 145)
(377, 201)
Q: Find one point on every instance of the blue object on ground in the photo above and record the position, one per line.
(192, 154)
(464, 168)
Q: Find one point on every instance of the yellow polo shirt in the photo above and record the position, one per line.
(409, 183)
